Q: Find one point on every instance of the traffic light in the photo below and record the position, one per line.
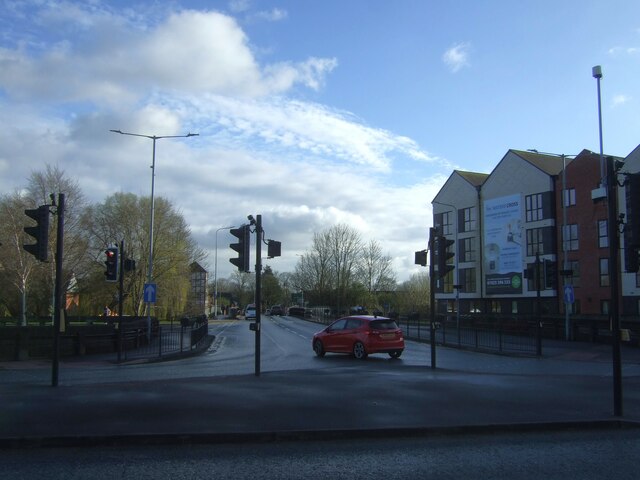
(112, 264)
(421, 258)
(242, 247)
(40, 232)
(632, 223)
(550, 274)
(274, 248)
(443, 255)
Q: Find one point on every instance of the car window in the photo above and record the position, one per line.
(386, 324)
(339, 325)
(353, 323)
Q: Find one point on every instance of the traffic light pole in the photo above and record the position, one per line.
(432, 294)
(258, 298)
(612, 202)
(120, 300)
(57, 304)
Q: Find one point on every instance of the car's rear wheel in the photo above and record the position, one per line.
(318, 348)
(395, 354)
(359, 351)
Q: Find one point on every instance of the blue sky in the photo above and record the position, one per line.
(309, 112)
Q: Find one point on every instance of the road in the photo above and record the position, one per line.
(475, 416)
(286, 346)
(586, 455)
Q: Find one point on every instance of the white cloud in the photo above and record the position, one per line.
(189, 51)
(238, 6)
(457, 56)
(621, 99)
(274, 15)
(303, 165)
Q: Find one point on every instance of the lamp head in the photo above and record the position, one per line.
(596, 71)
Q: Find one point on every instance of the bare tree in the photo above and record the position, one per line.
(376, 272)
(16, 264)
(414, 293)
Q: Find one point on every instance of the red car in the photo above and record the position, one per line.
(360, 335)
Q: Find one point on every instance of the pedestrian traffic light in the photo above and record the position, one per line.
(421, 258)
(443, 255)
(242, 247)
(40, 232)
(111, 262)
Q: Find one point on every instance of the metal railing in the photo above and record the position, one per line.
(165, 340)
(509, 336)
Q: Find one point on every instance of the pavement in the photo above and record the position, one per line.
(569, 387)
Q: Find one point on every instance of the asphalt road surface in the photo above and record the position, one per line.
(584, 455)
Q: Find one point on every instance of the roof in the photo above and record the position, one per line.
(550, 164)
(474, 178)
(197, 268)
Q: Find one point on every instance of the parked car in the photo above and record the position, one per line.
(250, 312)
(277, 310)
(360, 335)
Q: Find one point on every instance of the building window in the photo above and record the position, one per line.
(448, 282)
(570, 237)
(514, 306)
(535, 241)
(469, 216)
(604, 307)
(496, 306)
(468, 278)
(604, 272)
(447, 223)
(569, 197)
(574, 279)
(533, 207)
(469, 245)
(451, 306)
(603, 233)
(638, 280)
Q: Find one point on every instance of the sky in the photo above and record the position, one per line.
(310, 113)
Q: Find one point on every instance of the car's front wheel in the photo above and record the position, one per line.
(359, 351)
(318, 348)
(395, 354)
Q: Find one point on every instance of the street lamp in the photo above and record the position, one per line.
(456, 285)
(596, 72)
(153, 175)
(608, 176)
(215, 274)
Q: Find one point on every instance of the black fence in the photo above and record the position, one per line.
(522, 336)
(99, 335)
(140, 342)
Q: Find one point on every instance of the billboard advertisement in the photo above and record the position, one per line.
(503, 245)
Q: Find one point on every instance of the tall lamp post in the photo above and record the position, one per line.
(153, 176)
(609, 181)
(215, 274)
(456, 285)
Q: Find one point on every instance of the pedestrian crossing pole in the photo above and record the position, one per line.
(433, 233)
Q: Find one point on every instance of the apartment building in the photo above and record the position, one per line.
(533, 211)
